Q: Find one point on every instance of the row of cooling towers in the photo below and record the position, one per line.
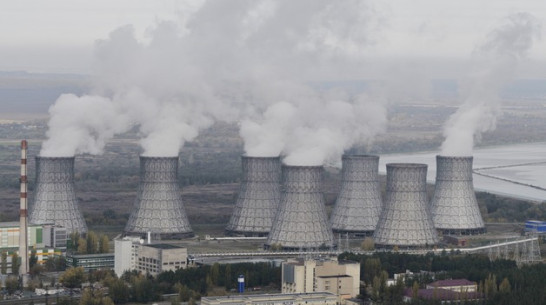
(286, 203)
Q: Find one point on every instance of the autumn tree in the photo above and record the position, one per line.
(15, 263)
(92, 242)
(82, 246)
(4, 266)
(104, 244)
(72, 277)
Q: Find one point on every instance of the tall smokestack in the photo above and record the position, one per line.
(358, 204)
(405, 220)
(454, 206)
(259, 197)
(23, 216)
(55, 200)
(301, 221)
(158, 206)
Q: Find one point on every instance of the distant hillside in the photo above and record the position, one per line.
(22, 92)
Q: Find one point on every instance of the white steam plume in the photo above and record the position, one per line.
(246, 60)
(496, 62)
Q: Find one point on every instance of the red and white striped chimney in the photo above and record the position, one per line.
(23, 220)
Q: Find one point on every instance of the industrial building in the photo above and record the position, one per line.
(91, 262)
(454, 207)
(312, 298)
(301, 222)
(341, 278)
(132, 254)
(358, 205)
(55, 199)
(259, 197)
(39, 236)
(158, 207)
(405, 220)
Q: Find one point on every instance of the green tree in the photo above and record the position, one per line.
(33, 259)
(104, 244)
(215, 273)
(118, 291)
(92, 242)
(372, 268)
(504, 286)
(12, 284)
(72, 277)
(92, 296)
(228, 280)
(15, 263)
(73, 244)
(4, 266)
(82, 246)
(184, 293)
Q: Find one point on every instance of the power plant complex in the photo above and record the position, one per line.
(285, 204)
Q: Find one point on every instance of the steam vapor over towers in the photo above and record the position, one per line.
(259, 197)
(454, 206)
(301, 221)
(23, 213)
(358, 204)
(55, 199)
(158, 206)
(405, 220)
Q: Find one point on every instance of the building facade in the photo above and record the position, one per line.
(341, 278)
(91, 262)
(132, 254)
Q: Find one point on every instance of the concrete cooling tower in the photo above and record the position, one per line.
(55, 199)
(158, 207)
(405, 220)
(358, 204)
(454, 206)
(301, 221)
(259, 197)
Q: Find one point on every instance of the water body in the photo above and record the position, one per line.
(517, 171)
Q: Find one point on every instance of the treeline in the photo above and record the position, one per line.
(501, 281)
(504, 209)
(91, 243)
(188, 284)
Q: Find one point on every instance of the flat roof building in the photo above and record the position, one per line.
(312, 298)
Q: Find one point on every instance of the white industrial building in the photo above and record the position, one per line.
(313, 298)
(341, 278)
(131, 253)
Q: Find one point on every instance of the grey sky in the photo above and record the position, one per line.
(58, 35)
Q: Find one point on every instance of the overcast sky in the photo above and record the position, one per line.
(59, 35)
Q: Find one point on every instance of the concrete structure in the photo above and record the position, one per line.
(405, 220)
(301, 222)
(454, 206)
(54, 236)
(55, 199)
(313, 298)
(341, 278)
(132, 254)
(358, 204)
(158, 207)
(23, 213)
(259, 197)
(90, 262)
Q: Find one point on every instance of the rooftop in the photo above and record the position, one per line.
(163, 246)
(443, 294)
(451, 283)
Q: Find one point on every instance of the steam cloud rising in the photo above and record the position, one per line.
(496, 61)
(244, 60)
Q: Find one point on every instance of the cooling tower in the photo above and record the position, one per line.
(158, 207)
(358, 204)
(55, 199)
(259, 197)
(454, 206)
(301, 221)
(405, 220)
